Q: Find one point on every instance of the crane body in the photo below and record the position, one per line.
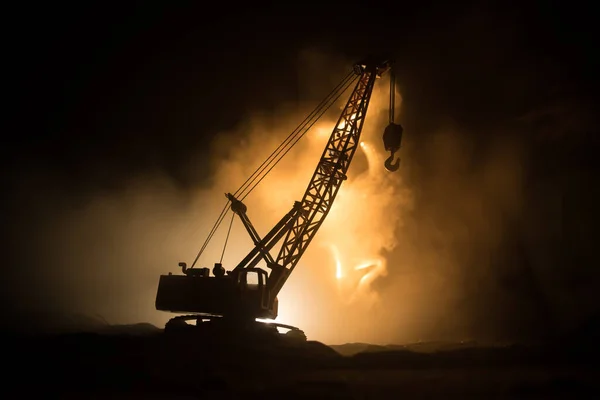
(248, 292)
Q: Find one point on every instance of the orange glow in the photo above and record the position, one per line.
(378, 271)
(339, 274)
(342, 124)
(335, 276)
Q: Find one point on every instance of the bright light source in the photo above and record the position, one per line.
(333, 283)
(338, 264)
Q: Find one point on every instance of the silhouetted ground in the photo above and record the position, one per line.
(142, 362)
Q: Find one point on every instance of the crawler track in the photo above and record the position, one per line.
(216, 326)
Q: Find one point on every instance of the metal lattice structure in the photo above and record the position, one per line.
(230, 294)
(326, 180)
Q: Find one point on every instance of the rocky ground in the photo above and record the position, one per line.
(143, 362)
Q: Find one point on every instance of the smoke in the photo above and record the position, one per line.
(467, 204)
(326, 290)
(426, 253)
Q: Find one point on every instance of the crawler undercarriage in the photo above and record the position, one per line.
(216, 327)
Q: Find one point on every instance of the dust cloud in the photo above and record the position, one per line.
(401, 257)
(329, 295)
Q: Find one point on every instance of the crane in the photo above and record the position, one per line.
(237, 298)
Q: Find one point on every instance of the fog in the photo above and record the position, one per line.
(427, 253)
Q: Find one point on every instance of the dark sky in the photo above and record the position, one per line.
(97, 94)
(111, 82)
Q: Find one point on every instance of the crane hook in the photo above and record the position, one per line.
(390, 165)
(392, 139)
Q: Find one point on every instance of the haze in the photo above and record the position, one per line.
(484, 233)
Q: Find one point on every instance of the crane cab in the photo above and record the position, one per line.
(242, 294)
